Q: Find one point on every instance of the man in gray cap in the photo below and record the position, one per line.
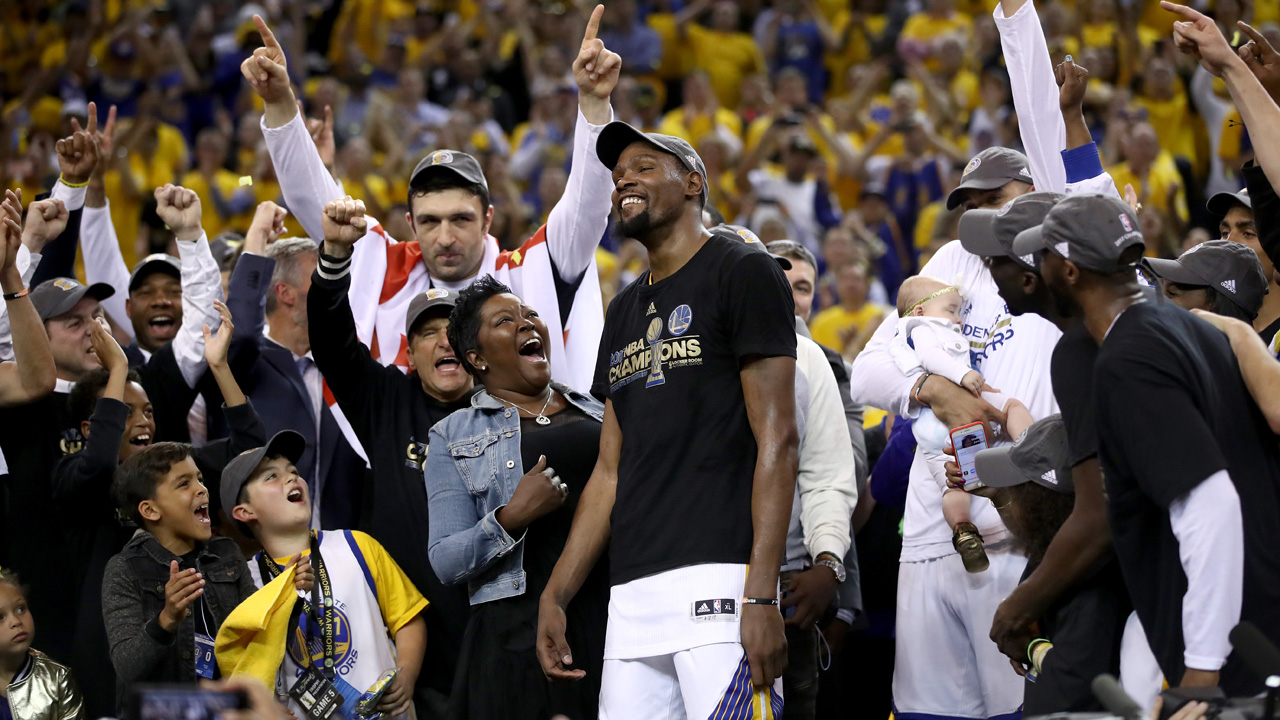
(685, 504)
(1239, 224)
(1031, 482)
(1171, 409)
(390, 413)
(992, 178)
(1218, 276)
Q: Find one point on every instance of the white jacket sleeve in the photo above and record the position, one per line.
(1035, 95)
(578, 221)
(1207, 523)
(828, 489)
(103, 262)
(26, 267)
(73, 198)
(201, 285)
(930, 348)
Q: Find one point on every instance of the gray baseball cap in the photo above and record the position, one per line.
(992, 168)
(1221, 203)
(452, 162)
(1092, 230)
(1040, 455)
(154, 263)
(56, 296)
(239, 471)
(433, 298)
(617, 136)
(1228, 267)
(990, 233)
(753, 241)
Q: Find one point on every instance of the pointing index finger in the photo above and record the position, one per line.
(1254, 35)
(1187, 13)
(92, 128)
(268, 37)
(593, 25)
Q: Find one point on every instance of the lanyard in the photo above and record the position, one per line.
(320, 609)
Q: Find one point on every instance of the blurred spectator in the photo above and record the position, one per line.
(721, 48)
(224, 202)
(847, 327)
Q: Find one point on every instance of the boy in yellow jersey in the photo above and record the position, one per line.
(337, 639)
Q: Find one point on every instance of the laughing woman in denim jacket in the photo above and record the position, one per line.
(503, 480)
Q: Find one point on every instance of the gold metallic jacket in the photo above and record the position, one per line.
(47, 692)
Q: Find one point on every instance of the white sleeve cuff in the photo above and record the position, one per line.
(73, 198)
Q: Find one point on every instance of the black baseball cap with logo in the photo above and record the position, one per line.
(239, 471)
(990, 233)
(1092, 230)
(617, 136)
(1221, 203)
(1040, 455)
(992, 168)
(450, 162)
(1228, 267)
(56, 296)
(154, 263)
(427, 301)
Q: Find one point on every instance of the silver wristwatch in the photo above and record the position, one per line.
(830, 561)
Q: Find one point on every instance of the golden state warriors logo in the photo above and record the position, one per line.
(305, 635)
(654, 337)
(65, 284)
(441, 157)
(973, 165)
(435, 293)
(678, 322)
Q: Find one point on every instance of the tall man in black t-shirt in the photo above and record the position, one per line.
(698, 458)
(1080, 550)
(1192, 469)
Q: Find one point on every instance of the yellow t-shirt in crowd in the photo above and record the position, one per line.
(1174, 123)
(1161, 180)
(856, 51)
(677, 57)
(374, 187)
(727, 57)
(264, 190)
(827, 325)
(693, 127)
(126, 213)
(228, 184)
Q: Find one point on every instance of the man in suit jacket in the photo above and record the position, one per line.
(284, 381)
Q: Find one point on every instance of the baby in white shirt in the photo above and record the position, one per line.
(929, 337)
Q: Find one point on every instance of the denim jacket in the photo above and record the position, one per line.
(472, 468)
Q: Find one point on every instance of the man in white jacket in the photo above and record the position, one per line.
(946, 665)
(449, 211)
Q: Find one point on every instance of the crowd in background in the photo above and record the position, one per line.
(843, 126)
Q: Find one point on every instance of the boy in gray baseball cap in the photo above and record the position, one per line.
(1219, 276)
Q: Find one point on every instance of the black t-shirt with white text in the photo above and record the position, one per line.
(1172, 410)
(688, 453)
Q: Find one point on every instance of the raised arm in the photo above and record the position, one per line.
(587, 541)
(1035, 93)
(103, 261)
(578, 221)
(1197, 35)
(306, 184)
(1258, 366)
(179, 208)
(77, 478)
(31, 376)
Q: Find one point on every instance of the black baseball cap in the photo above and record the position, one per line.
(56, 296)
(239, 471)
(154, 263)
(1228, 267)
(1221, 203)
(1040, 455)
(431, 299)
(1092, 230)
(451, 162)
(617, 136)
(990, 233)
(753, 241)
(992, 168)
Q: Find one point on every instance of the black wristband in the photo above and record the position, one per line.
(16, 295)
(335, 262)
(759, 601)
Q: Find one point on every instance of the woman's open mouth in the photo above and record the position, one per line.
(532, 350)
